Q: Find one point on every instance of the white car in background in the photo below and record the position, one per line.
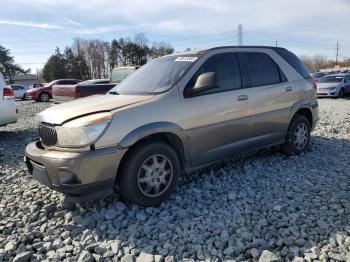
(8, 109)
(19, 91)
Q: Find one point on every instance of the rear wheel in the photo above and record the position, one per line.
(150, 174)
(24, 97)
(44, 97)
(298, 136)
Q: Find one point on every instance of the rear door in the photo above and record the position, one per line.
(216, 121)
(271, 98)
(64, 90)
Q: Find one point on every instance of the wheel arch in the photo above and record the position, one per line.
(304, 109)
(43, 92)
(166, 132)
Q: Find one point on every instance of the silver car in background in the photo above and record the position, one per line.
(336, 85)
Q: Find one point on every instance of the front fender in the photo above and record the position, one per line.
(151, 129)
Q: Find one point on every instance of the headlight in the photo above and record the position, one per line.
(82, 131)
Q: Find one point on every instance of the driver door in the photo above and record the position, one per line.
(217, 120)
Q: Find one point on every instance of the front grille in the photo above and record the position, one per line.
(48, 135)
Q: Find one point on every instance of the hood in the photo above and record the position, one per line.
(327, 85)
(83, 106)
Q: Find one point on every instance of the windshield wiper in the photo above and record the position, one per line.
(113, 93)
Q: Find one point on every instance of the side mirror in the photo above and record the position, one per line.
(205, 82)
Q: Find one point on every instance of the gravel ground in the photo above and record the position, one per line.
(263, 206)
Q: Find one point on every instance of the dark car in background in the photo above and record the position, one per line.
(64, 93)
(44, 93)
(318, 75)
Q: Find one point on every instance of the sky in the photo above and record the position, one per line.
(33, 29)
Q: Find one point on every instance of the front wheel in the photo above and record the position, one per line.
(341, 93)
(298, 136)
(44, 97)
(149, 174)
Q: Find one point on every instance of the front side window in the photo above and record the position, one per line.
(263, 70)
(227, 69)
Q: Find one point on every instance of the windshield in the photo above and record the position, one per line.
(120, 74)
(331, 79)
(156, 76)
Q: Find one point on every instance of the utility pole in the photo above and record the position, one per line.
(240, 34)
(276, 43)
(337, 55)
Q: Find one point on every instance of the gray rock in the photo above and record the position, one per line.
(158, 258)
(169, 259)
(120, 206)
(229, 250)
(268, 256)
(22, 257)
(115, 246)
(255, 253)
(85, 256)
(128, 258)
(10, 246)
(144, 257)
(111, 214)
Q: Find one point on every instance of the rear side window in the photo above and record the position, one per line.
(227, 69)
(263, 70)
(294, 61)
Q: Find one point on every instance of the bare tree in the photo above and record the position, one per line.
(141, 40)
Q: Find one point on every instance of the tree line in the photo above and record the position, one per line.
(94, 59)
(8, 67)
(321, 62)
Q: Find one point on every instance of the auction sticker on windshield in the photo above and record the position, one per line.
(186, 59)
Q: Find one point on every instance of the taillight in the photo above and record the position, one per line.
(8, 93)
(313, 82)
(17, 111)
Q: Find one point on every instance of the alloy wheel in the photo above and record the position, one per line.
(44, 97)
(155, 175)
(300, 136)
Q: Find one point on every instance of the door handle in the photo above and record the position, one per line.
(242, 97)
(289, 88)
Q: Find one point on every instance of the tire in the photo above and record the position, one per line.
(142, 174)
(44, 97)
(341, 93)
(296, 142)
(24, 97)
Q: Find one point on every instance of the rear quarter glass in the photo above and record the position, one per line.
(294, 61)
